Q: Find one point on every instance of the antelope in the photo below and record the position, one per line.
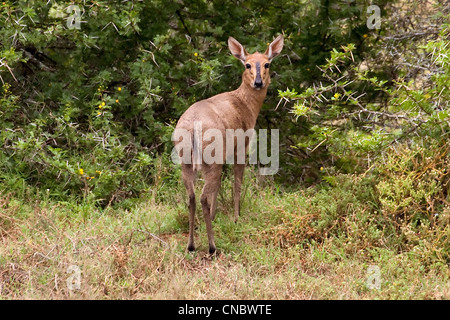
(235, 110)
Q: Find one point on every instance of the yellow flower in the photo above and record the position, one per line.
(365, 35)
(98, 171)
(103, 103)
(99, 113)
(81, 171)
(337, 95)
(321, 168)
(92, 177)
(100, 106)
(119, 88)
(196, 54)
(117, 100)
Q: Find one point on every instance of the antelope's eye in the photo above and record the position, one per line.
(267, 65)
(248, 66)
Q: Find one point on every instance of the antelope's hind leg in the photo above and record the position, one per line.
(188, 176)
(213, 202)
(212, 175)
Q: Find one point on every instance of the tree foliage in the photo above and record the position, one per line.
(89, 112)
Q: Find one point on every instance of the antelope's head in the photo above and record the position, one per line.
(257, 65)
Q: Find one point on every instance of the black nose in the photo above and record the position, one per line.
(258, 84)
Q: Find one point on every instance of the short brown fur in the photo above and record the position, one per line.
(236, 109)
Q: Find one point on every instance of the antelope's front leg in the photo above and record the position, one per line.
(238, 175)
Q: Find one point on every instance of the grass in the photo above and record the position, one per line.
(316, 243)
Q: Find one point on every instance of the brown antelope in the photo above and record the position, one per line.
(234, 110)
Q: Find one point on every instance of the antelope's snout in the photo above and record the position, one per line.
(258, 82)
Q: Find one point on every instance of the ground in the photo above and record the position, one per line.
(140, 253)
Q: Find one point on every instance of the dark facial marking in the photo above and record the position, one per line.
(258, 80)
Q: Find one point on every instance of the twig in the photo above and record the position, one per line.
(178, 12)
(154, 237)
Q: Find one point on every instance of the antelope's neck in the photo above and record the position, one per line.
(251, 99)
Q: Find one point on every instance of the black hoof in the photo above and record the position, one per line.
(212, 250)
(191, 247)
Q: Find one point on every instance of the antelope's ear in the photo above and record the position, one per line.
(275, 47)
(237, 49)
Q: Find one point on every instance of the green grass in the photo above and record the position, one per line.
(316, 243)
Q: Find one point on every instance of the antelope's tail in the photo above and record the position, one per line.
(196, 154)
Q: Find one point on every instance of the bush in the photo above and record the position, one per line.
(104, 97)
(390, 210)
